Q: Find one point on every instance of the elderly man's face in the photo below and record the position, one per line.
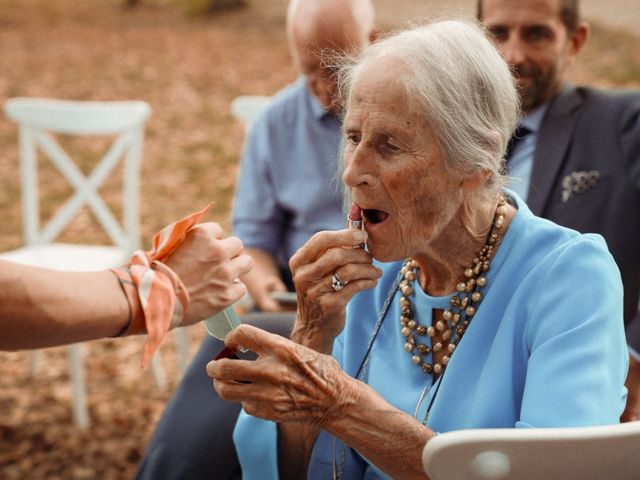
(393, 167)
(314, 44)
(534, 42)
(321, 79)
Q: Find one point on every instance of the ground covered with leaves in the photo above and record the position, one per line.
(188, 69)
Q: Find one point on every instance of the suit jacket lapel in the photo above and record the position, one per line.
(554, 137)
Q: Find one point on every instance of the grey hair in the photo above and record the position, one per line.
(457, 78)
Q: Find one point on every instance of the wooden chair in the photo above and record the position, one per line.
(585, 453)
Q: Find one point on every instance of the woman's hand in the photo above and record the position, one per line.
(287, 383)
(321, 309)
(292, 384)
(209, 267)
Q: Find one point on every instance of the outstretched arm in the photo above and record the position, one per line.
(42, 308)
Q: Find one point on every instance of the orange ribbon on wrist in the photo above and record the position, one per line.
(156, 295)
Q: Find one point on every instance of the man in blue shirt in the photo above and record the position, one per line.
(578, 161)
(288, 190)
(289, 187)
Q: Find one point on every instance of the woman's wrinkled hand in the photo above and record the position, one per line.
(209, 267)
(287, 383)
(321, 308)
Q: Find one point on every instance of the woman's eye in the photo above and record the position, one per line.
(391, 147)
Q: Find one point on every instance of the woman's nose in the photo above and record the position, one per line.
(357, 170)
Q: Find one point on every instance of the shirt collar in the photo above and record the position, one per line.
(533, 119)
(317, 110)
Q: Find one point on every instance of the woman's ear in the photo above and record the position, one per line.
(470, 183)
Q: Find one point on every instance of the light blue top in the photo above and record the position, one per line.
(521, 161)
(289, 187)
(546, 348)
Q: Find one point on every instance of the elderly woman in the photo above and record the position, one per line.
(475, 313)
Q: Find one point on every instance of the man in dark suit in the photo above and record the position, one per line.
(576, 155)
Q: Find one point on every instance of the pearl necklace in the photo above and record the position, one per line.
(463, 305)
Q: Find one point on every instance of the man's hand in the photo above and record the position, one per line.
(263, 293)
(263, 280)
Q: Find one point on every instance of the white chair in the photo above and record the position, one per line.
(585, 453)
(247, 107)
(38, 120)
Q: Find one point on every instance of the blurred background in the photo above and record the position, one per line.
(188, 59)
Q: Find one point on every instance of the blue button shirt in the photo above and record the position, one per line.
(289, 186)
(521, 161)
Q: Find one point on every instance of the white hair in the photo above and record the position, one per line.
(458, 80)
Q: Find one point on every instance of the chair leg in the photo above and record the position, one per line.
(35, 359)
(159, 374)
(76, 360)
(182, 350)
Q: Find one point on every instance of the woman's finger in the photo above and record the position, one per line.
(323, 241)
(254, 338)
(352, 272)
(333, 259)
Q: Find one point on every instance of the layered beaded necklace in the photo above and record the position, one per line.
(446, 333)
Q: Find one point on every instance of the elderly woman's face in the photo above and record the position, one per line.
(394, 169)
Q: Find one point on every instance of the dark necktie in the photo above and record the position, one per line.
(518, 136)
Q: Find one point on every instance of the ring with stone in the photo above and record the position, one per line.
(336, 282)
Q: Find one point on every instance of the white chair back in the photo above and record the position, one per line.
(585, 453)
(247, 107)
(37, 120)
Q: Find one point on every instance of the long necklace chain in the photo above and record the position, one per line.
(447, 333)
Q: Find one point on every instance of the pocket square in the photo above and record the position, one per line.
(578, 182)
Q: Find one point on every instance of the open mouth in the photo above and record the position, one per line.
(373, 216)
